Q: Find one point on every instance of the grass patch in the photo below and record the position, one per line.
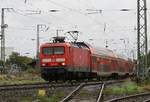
(23, 79)
(55, 98)
(37, 99)
(146, 82)
(126, 88)
(146, 87)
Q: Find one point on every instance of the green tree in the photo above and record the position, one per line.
(1, 63)
(21, 61)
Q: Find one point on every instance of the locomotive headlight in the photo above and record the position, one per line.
(60, 59)
(63, 64)
(43, 64)
(47, 60)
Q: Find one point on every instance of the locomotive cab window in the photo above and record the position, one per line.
(58, 50)
(53, 50)
(47, 50)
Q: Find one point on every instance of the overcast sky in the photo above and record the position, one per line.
(99, 20)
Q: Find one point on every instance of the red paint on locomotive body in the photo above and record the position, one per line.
(74, 57)
(79, 60)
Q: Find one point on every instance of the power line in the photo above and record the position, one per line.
(20, 12)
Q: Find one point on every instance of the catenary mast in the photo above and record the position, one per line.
(141, 38)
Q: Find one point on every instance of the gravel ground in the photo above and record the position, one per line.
(14, 96)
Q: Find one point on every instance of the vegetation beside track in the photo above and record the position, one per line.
(30, 99)
(20, 79)
(19, 70)
(126, 89)
(55, 98)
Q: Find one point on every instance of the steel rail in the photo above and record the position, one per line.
(14, 85)
(45, 83)
(33, 86)
(148, 100)
(100, 96)
(68, 97)
(28, 84)
(129, 97)
(36, 85)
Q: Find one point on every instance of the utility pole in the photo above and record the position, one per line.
(2, 36)
(37, 47)
(3, 26)
(141, 39)
(39, 27)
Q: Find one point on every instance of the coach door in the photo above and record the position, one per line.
(94, 64)
(114, 65)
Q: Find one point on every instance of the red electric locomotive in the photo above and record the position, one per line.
(62, 60)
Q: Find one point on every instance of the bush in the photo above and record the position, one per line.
(33, 71)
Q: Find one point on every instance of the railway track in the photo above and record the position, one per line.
(13, 92)
(43, 85)
(143, 97)
(34, 86)
(73, 91)
(99, 98)
(81, 86)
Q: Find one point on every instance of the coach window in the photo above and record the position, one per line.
(94, 59)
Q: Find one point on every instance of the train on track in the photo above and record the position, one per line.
(61, 60)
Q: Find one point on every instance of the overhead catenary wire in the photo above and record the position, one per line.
(20, 12)
(71, 9)
(75, 10)
(79, 11)
(85, 14)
